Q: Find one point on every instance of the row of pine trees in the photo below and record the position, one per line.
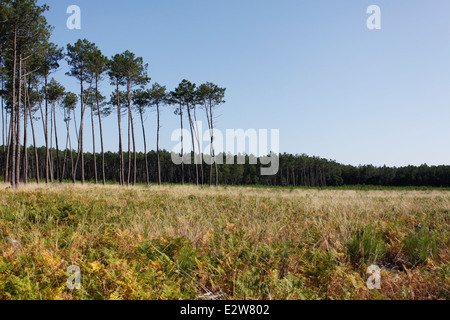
(29, 95)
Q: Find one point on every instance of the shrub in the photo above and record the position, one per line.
(419, 245)
(366, 246)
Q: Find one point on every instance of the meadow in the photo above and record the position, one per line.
(235, 243)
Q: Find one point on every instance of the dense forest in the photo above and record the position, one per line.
(30, 98)
(295, 171)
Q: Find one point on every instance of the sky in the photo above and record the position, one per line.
(310, 68)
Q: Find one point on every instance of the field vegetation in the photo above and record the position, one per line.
(185, 242)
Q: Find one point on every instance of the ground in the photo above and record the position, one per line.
(175, 242)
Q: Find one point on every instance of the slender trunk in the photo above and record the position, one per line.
(145, 148)
(8, 125)
(3, 120)
(13, 114)
(75, 123)
(43, 122)
(70, 146)
(58, 163)
(129, 150)
(18, 123)
(47, 156)
(157, 145)
(200, 153)
(66, 119)
(212, 146)
(51, 143)
(34, 142)
(81, 131)
(71, 160)
(182, 147)
(134, 151)
(8, 151)
(191, 126)
(93, 145)
(25, 132)
(74, 173)
(63, 170)
(80, 152)
(101, 132)
(121, 173)
(131, 126)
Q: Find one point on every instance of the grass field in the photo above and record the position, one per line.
(176, 242)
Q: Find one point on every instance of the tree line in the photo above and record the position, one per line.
(294, 171)
(29, 95)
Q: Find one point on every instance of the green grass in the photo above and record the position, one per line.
(174, 242)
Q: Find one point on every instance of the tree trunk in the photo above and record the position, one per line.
(212, 139)
(47, 156)
(101, 131)
(66, 119)
(210, 147)
(58, 163)
(121, 175)
(80, 135)
(134, 148)
(34, 141)
(8, 150)
(93, 145)
(25, 131)
(81, 131)
(18, 123)
(129, 150)
(145, 149)
(131, 127)
(74, 172)
(13, 114)
(182, 147)
(51, 143)
(70, 146)
(191, 126)
(71, 160)
(134, 151)
(200, 152)
(3, 120)
(157, 145)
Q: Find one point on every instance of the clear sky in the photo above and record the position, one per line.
(310, 68)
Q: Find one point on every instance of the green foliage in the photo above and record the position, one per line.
(78, 57)
(319, 268)
(176, 243)
(55, 91)
(419, 246)
(69, 101)
(366, 246)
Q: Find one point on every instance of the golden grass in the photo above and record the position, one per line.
(175, 242)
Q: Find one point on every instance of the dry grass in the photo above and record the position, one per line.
(175, 242)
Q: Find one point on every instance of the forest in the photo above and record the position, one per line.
(295, 171)
(30, 98)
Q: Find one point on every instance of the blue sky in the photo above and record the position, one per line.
(310, 68)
